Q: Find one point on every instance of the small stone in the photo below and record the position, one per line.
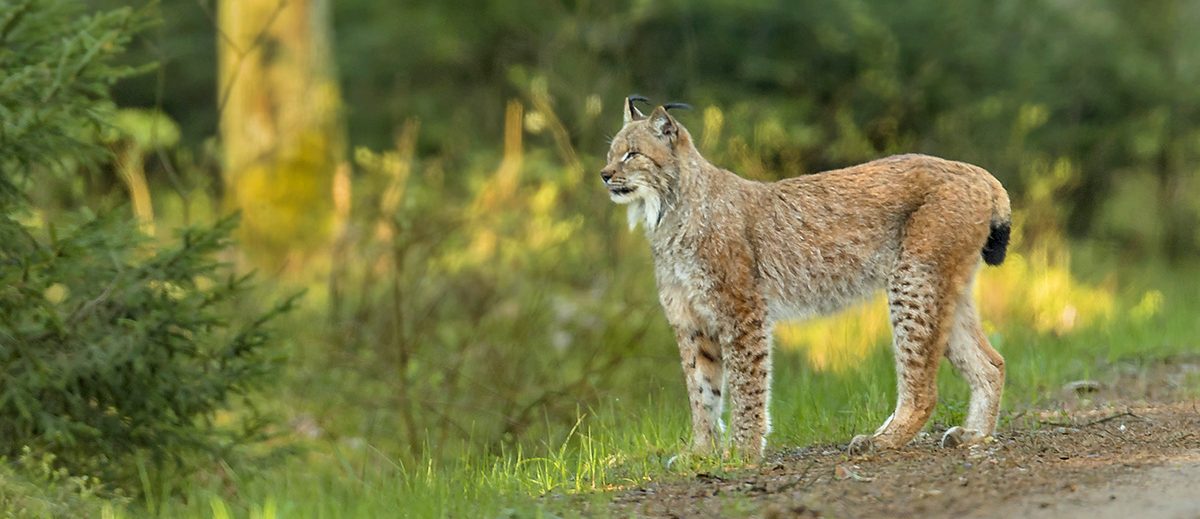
(1083, 386)
(842, 472)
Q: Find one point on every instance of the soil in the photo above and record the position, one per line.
(1126, 447)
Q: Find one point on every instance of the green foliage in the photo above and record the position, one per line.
(623, 443)
(57, 67)
(443, 340)
(117, 354)
(113, 352)
(486, 297)
(804, 86)
(144, 129)
(34, 486)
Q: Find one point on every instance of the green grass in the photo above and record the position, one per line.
(621, 444)
(335, 481)
(32, 487)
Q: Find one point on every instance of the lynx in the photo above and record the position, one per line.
(732, 256)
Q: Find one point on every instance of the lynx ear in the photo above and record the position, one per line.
(631, 112)
(663, 123)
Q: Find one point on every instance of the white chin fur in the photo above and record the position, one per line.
(646, 210)
(634, 213)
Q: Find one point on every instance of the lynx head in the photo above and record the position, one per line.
(643, 163)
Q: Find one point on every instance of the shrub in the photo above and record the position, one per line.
(117, 354)
(34, 487)
(56, 65)
(111, 351)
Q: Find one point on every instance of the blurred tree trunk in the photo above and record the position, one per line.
(281, 130)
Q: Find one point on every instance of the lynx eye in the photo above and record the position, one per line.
(629, 155)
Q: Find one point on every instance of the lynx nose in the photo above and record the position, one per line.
(606, 174)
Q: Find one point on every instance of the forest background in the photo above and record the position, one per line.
(424, 299)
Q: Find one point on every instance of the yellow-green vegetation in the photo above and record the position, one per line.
(1056, 317)
(33, 486)
(480, 333)
(627, 441)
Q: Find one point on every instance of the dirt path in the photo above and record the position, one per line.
(1106, 456)
(1171, 490)
(1138, 461)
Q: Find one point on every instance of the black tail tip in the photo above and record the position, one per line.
(997, 244)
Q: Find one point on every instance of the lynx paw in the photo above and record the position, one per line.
(957, 436)
(861, 444)
(693, 458)
(679, 459)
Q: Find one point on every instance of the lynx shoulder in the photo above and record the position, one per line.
(732, 256)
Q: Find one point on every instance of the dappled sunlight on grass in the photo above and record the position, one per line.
(1035, 290)
(838, 342)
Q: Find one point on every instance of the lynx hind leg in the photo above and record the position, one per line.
(923, 294)
(983, 368)
(704, 373)
(915, 306)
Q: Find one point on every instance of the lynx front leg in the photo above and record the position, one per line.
(748, 359)
(701, 356)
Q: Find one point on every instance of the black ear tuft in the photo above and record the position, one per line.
(681, 106)
(631, 111)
